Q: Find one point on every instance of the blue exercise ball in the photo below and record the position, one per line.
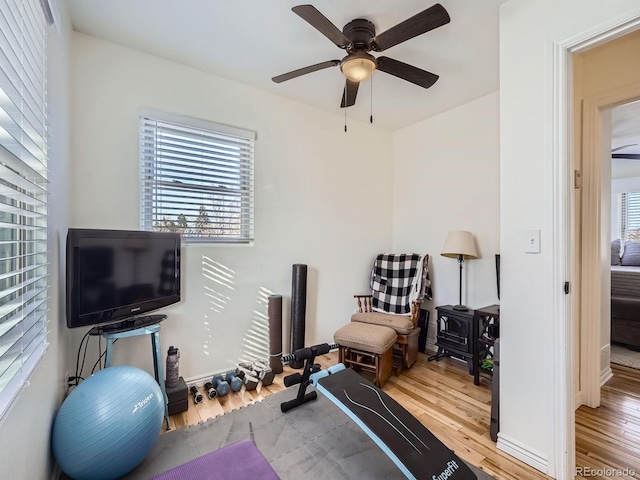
(108, 424)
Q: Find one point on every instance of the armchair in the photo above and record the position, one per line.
(399, 284)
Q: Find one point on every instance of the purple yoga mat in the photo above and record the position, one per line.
(238, 461)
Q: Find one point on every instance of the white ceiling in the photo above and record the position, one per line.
(251, 41)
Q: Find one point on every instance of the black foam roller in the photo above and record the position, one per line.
(298, 310)
(274, 312)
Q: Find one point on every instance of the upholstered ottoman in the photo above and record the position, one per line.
(408, 334)
(367, 347)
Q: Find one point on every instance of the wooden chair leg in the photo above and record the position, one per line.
(380, 365)
(409, 349)
(384, 367)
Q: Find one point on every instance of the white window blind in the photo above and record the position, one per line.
(196, 179)
(23, 194)
(630, 216)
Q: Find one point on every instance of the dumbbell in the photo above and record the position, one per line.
(234, 380)
(211, 390)
(222, 387)
(197, 396)
(250, 378)
(264, 372)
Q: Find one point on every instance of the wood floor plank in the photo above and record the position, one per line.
(510, 469)
(608, 437)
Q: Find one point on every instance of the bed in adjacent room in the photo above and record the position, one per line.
(625, 294)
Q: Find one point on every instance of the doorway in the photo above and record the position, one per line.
(597, 91)
(625, 227)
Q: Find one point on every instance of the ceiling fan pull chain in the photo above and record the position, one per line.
(345, 119)
(371, 102)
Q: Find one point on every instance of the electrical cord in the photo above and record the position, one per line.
(103, 354)
(75, 380)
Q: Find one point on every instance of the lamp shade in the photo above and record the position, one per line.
(459, 242)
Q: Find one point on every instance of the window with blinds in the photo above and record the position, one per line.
(196, 179)
(23, 194)
(630, 216)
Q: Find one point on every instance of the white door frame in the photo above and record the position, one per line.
(592, 241)
(559, 131)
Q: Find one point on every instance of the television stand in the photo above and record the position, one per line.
(144, 325)
(128, 324)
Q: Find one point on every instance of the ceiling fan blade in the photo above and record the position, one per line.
(627, 156)
(433, 17)
(305, 70)
(349, 94)
(406, 72)
(321, 23)
(623, 146)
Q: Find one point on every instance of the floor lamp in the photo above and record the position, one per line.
(459, 244)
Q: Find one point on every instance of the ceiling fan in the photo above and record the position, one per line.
(358, 38)
(626, 156)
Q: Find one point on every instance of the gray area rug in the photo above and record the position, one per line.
(315, 440)
(621, 355)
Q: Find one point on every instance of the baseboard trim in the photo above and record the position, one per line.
(202, 379)
(606, 376)
(522, 452)
(578, 399)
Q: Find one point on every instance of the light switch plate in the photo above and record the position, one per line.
(532, 241)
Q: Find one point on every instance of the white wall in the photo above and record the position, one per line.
(621, 168)
(24, 434)
(446, 176)
(322, 198)
(528, 374)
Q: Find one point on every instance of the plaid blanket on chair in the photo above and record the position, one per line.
(399, 279)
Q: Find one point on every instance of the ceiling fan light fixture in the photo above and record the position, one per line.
(358, 67)
(359, 37)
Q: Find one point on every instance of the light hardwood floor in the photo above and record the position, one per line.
(440, 394)
(608, 437)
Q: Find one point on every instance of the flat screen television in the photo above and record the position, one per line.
(117, 276)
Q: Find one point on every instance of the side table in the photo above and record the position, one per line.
(158, 369)
(486, 329)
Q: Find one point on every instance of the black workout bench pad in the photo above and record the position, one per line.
(418, 453)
